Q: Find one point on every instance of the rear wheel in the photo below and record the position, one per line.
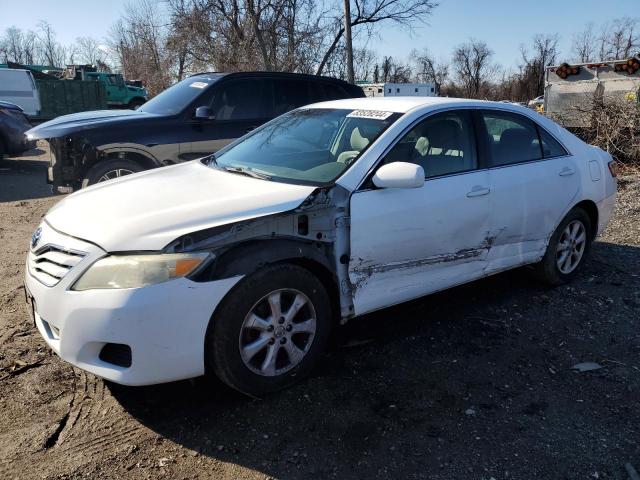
(104, 171)
(567, 249)
(270, 331)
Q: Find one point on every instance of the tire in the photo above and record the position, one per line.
(549, 268)
(232, 329)
(110, 169)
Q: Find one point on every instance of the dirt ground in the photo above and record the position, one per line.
(473, 383)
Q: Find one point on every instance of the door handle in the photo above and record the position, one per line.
(478, 191)
(566, 171)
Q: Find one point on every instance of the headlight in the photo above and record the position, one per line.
(134, 271)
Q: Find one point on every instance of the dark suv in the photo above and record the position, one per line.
(193, 118)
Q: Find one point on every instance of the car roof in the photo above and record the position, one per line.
(258, 73)
(405, 104)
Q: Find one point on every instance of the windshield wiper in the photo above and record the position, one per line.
(211, 160)
(248, 172)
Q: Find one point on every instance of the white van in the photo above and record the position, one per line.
(19, 87)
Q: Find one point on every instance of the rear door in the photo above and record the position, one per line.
(534, 180)
(409, 242)
(239, 105)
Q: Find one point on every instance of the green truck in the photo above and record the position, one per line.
(120, 94)
(79, 88)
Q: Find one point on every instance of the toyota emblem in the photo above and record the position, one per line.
(35, 238)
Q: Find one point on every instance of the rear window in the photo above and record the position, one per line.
(550, 146)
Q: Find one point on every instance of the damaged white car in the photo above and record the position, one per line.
(239, 263)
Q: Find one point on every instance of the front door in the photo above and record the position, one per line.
(238, 106)
(406, 243)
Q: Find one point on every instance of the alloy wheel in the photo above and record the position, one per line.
(117, 173)
(571, 247)
(277, 332)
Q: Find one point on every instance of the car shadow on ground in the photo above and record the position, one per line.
(23, 179)
(395, 384)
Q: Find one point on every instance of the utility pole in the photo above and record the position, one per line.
(347, 37)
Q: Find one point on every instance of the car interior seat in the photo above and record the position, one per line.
(516, 145)
(358, 143)
(440, 148)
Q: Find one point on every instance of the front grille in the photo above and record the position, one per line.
(50, 264)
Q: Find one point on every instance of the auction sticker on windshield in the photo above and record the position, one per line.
(198, 84)
(376, 114)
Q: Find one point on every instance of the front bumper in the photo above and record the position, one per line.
(164, 325)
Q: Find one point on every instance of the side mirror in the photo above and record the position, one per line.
(203, 113)
(399, 175)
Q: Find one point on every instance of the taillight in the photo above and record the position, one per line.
(613, 168)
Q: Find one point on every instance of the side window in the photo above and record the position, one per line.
(511, 138)
(442, 144)
(333, 92)
(550, 146)
(288, 95)
(316, 92)
(241, 100)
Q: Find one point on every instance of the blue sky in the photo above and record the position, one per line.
(503, 24)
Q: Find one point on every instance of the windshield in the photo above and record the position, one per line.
(175, 98)
(309, 146)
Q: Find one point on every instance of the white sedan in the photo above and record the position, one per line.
(239, 264)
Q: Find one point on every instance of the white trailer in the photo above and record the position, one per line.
(399, 89)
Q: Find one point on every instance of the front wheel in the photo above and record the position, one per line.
(270, 331)
(567, 249)
(109, 170)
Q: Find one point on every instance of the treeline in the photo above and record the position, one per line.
(162, 42)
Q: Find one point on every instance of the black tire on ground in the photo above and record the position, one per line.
(135, 103)
(222, 345)
(547, 269)
(110, 169)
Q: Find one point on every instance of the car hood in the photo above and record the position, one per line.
(69, 124)
(148, 210)
(10, 106)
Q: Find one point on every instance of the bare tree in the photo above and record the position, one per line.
(18, 46)
(428, 69)
(584, 44)
(364, 60)
(89, 51)
(390, 70)
(473, 67)
(618, 39)
(53, 53)
(242, 34)
(624, 38)
(544, 52)
(374, 12)
(139, 40)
